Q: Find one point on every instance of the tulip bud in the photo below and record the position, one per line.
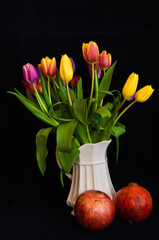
(73, 64)
(29, 87)
(98, 72)
(144, 93)
(130, 86)
(90, 52)
(66, 69)
(29, 73)
(74, 81)
(48, 66)
(105, 60)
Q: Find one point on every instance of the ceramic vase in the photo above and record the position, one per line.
(90, 171)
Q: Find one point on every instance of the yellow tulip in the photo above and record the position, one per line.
(130, 86)
(144, 93)
(66, 69)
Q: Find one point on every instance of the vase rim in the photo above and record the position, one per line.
(93, 144)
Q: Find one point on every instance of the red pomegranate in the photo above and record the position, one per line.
(94, 210)
(133, 203)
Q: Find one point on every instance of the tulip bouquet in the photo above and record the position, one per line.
(55, 96)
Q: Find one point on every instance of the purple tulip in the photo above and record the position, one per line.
(73, 64)
(99, 72)
(29, 73)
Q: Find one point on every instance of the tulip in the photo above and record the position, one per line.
(130, 86)
(74, 81)
(144, 93)
(73, 64)
(29, 73)
(29, 87)
(48, 66)
(105, 60)
(90, 52)
(98, 72)
(66, 69)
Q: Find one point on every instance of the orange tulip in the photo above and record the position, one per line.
(90, 52)
(105, 60)
(48, 66)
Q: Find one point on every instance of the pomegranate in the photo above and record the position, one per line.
(133, 203)
(94, 210)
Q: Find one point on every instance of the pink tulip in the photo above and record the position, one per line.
(99, 72)
(29, 73)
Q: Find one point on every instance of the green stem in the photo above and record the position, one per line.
(43, 108)
(68, 94)
(118, 108)
(88, 134)
(48, 87)
(96, 85)
(54, 81)
(92, 87)
(124, 111)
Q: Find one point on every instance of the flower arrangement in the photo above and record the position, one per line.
(55, 96)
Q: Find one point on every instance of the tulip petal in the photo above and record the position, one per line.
(130, 86)
(29, 73)
(32, 74)
(43, 67)
(66, 69)
(25, 72)
(144, 93)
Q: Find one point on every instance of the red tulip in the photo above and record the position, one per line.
(29, 87)
(105, 60)
(90, 52)
(74, 81)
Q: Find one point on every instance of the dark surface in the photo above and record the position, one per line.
(33, 207)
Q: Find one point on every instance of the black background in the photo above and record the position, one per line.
(33, 207)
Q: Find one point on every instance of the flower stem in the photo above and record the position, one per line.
(88, 134)
(43, 108)
(48, 87)
(119, 116)
(68, 94)
(92, 87)
(118, 108)
(56, 84)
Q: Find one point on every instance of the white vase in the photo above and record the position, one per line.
(90, 171)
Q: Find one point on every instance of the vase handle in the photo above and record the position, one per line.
(58, 163)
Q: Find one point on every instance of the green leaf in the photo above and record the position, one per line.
(32, 98)
(67, 159)
(41, 148)
(31, 106)
(63, 94)
(79, 90)
(80, 109)
(81, 132)
(104, 111)
(61, 178)
(105, 82)
(64, 136)
(45, 94)
(118, 130)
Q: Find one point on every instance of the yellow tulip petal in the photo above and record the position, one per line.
(130, 86)
(144, 93)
